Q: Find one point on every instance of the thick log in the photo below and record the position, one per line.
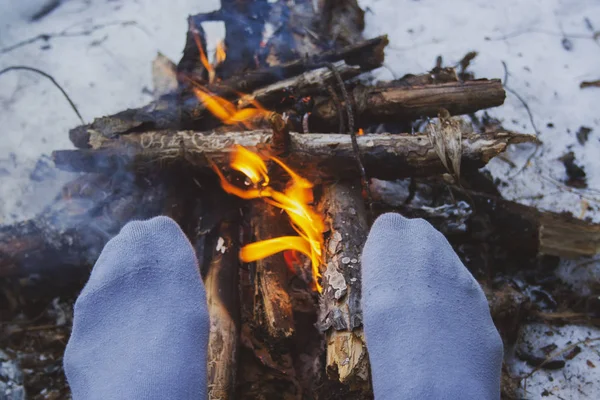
(189, 113)
(221, 285)
(319, 156)
(396, 103)
(518, 229)
(340, 314)
(526, 229)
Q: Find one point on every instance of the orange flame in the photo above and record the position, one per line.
(220, 53)
(220, 56)
(294, 200)
(360, 132)
(227, 112)
(203, 59)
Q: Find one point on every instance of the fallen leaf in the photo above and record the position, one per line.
(164, 76)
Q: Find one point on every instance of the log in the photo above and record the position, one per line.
(396, 103)
(266, 362)
(523, 228)
(172, 113)
(319, 156)
(520, 230)
(221, 285)
(340, 314)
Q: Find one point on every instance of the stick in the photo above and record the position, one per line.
(44, 74)
(319, 156)
(340, 314)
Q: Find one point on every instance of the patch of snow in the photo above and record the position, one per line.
(580, 376)
(530, 37)
(101, 53)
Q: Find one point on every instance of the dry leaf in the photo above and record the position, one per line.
(164, 76)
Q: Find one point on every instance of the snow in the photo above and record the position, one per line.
(101, 53)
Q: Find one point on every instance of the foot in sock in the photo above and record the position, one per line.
(141, 325)
(427, 322)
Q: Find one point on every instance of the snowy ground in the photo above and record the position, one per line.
(101, 51)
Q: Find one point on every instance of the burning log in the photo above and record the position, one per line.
(271, 275)
(322, 156)
(397, 102)
(340, 313)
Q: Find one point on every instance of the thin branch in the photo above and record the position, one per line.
(352, 131)
(25, 68)
(554, 355)
(338, 107)
(535, 129)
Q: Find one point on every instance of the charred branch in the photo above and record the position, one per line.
(386, 156)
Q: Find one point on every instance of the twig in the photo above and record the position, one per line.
(65, 33)
(554, 355)
(535, 129)
(338, 107)
(35, 329)
(25, 68)
(352, 131)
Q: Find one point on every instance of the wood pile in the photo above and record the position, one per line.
(272, 335)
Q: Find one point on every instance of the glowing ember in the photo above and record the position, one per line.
(294, 200)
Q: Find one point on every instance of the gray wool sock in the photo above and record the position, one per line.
(427, 322)
(141, 323)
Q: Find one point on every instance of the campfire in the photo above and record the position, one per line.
(274, 158)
